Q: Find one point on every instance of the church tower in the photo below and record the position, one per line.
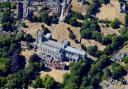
(40, 36)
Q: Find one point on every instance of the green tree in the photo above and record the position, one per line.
(126, 19)
(126, 35)
(37, 83)
(125, 59)
(123, 30)
(19, 36)
(71, 86)
(44, 17)
(93, 51)
(73, 21)
(66, 77)
(115, 23)
(4, 65)
(34, 58)
(48, 82)
(13, 47)
(94, 69)
(107, 73)
(104, 1)
(117, 70)
(87, 34)
(28, 38)
(72, 35)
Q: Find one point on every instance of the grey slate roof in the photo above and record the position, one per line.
(52, 45)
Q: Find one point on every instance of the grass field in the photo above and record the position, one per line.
(56, 74)
(108, 30)
(60, 33)
(78, 7)
(111, 11)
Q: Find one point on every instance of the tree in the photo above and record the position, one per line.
(123, 30)
(94, 69)
(104, 1)
(106, 41)
(103, 61)
(89, 87)
(107, 73)
(126, 20)
(48, 82)
(4, 65)
(19, 36)
(13, 47)
(117, 70)
(73, 21)
(12, 83)
(115, 24)
(37, 83)
(34, 18)
(97, 36)
(91, 25)
(44, 17)
(28, 38)
(125, 59)
(46, 30)
(72, 81)
(71, 86)
(126, 35)
(94, 82)
(121, 0)
(87, 34)
(72, 36)
(93, 50)
(85, 82)
(8, 21)
(34, 58)
(17, 63)
(24, 25)
(66, 77)
(78, 15)
(2, 81)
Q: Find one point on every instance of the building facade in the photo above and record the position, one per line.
(60, 52)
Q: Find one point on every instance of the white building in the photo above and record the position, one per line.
(61, 52)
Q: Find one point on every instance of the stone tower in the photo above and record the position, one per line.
(40, 36)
